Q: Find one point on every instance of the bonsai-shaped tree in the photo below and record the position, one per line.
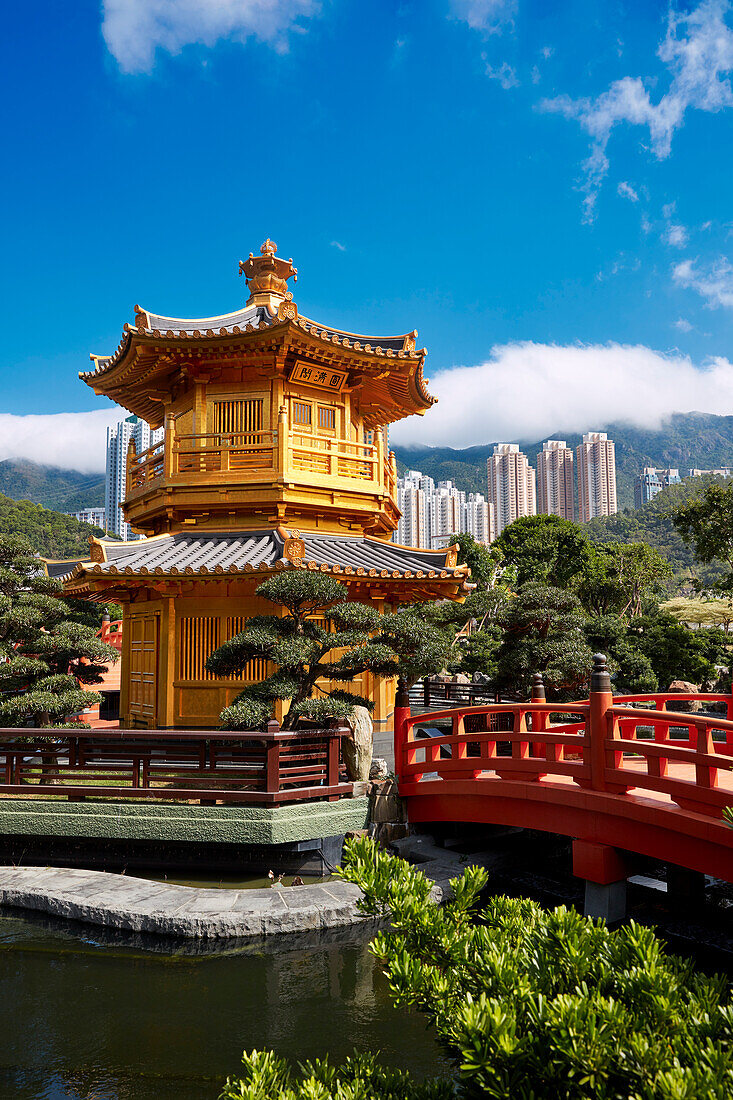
(44, 656)
(320, 636)
(543, 632)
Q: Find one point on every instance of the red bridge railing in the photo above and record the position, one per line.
(604, 744)
(267, 767)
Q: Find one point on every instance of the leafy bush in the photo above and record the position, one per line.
(267, 1077)
(529, 1004)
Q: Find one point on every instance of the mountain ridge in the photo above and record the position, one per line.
(685, 440)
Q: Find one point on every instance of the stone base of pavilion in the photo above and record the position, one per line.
(304, 838)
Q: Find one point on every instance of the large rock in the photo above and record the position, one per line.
(684, 687)
(358, 748)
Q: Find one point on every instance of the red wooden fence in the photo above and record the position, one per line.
(268, 767)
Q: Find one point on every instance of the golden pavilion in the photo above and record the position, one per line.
(273, 458)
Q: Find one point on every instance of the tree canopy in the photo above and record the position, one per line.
(321, 638)
(44, 654)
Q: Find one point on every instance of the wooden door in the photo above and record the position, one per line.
(144, 667)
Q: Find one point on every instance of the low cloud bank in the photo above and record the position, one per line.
(523, 392)
(526, 391)
(73, 441)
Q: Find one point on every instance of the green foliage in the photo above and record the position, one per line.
(536, 1004)
(631, 670)
(528, 1004)
(483, 563)
(545, 549)
(49, 533)
(543, 632)
(654, 525)
(677, 653)
(361, 1077)
(353, 639)
(621, 577)
(706, 523)
(44, 655)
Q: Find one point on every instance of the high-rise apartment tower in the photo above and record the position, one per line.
(511, 485)
(118, 440)
(596, 464)
(555, 480)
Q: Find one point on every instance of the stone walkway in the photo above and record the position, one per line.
(139, 905)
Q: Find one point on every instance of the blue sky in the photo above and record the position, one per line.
(541, 187)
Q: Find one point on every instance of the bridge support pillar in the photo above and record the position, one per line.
(605, 870)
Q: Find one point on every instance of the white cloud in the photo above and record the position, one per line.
(675, 235)
(626, 191)
(338, 245)
(714, 283)
(573, 389)
(683, 325)
(134, 29)
(73, 441)
(697, 51)
(504, 73)
(488, 16)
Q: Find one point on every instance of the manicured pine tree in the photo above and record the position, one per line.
(44, 655)
(320, 635)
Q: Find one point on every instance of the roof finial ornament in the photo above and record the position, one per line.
(267, 276)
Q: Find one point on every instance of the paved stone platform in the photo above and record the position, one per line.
(139, 905)
(124, 902)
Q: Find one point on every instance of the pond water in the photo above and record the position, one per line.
(129, 1018)
(225, 882)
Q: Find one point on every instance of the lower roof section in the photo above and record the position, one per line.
(231, 553)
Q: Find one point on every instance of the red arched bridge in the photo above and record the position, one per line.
(618, 775)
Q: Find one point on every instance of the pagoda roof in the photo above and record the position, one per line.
(154, 348)
(185, 554)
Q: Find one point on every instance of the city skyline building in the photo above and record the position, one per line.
(512, 485)
(651, 481)
(721, 471)
(115, 488)
(555, 489)
(596, 466)
(94, 516)
(431, 513)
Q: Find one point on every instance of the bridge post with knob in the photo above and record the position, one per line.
(603, 867)
(401, 714)
(539, 720)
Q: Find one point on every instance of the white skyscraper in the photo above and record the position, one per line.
(118, 440)
(555, 480)
(596, 463)
(511, 485)
(430, 513)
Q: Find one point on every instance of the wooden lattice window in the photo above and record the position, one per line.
(326, 418)
(302, 412)
(200, 635)
(236, 417)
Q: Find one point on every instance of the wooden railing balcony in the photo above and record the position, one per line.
(294, 455)
(262, 767)
(333, 457)
(224, 453)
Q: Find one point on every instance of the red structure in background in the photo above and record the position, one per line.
(106, 714)
(615, 776)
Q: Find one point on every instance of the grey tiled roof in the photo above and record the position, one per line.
(229, 552)
(252, 315)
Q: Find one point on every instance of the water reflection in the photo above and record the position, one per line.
(104, 1017)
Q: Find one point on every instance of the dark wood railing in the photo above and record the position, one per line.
(437, 693)
(268, 767)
